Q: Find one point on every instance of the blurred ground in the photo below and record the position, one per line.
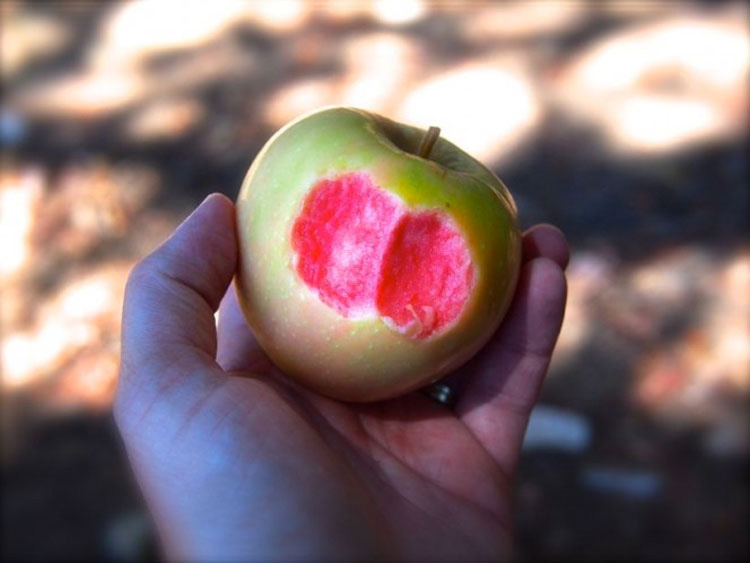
(623, 123)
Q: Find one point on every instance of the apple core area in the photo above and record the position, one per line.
(365, 253)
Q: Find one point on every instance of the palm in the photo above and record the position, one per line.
(411, 458)
(402, 478)
(439, 489)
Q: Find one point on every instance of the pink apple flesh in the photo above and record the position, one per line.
(366, 254)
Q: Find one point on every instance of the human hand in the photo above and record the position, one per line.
(236, 462)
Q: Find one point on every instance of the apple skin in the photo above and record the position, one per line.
(364, 359)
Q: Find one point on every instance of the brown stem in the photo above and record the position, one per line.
(428, 141)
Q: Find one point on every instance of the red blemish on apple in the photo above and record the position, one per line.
(365, 253)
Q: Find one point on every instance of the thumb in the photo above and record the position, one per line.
(168, 328)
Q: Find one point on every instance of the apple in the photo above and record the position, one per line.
(375, 257)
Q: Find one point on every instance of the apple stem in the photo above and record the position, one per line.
(428, 141)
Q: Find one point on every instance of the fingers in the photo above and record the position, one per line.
(505, 379)
(237, 349)
(168, 314)
(548, 241)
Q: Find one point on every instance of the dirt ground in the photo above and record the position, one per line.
(625, 124)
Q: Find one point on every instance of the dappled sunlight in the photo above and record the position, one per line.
(589, 274)
(654, 123)
(685, 315)
(81, 320)
(92, 202)
(98, 91)
(394, 13)
(88, 95)
(62, 342)
(27, 37)
(135, 30)
(377, 69)
(487, 109)
(710, 359)
(664, 86)
(278, 15)
(165, 119)
(398, 12)
(20, 192)
(299, 98)
(517, 20)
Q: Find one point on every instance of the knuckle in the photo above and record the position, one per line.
(141, 272)
(144, 275)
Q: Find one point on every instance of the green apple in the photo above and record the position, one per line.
(375, 257)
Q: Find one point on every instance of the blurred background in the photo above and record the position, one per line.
(625, 123)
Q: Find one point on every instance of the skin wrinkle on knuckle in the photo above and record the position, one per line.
(202, 275)
(173, 277)
(206, 274)
(150, 293)
(143, 365)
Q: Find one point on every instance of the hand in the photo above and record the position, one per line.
(236, 462)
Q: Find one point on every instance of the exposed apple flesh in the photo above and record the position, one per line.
(374, 257)
(367, 255)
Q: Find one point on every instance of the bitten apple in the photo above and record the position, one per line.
(375, 257)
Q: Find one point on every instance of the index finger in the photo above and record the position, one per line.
(168, 327)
